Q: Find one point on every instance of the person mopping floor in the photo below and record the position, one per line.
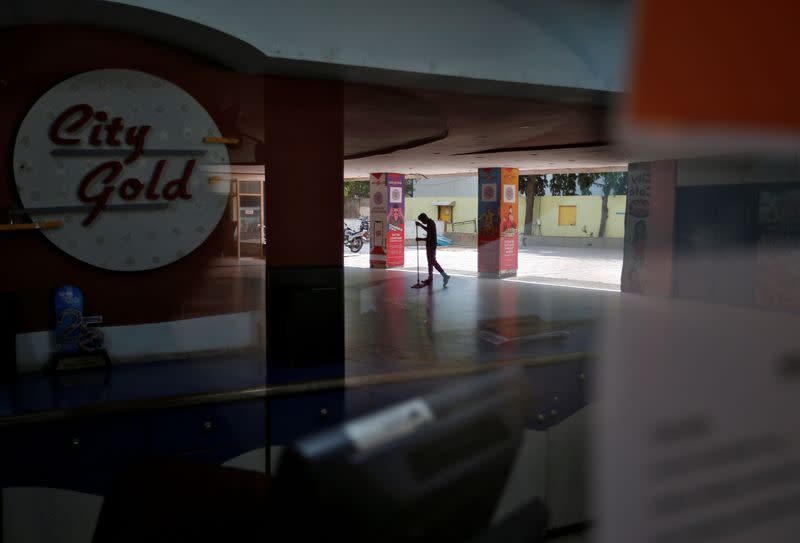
(429, 226)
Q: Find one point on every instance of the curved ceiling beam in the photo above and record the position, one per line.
(526, 41)
(488, 49)
(577, 145)
(398, 147)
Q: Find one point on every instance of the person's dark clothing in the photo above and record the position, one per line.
(430, 230)
(430, 248)
(433, 263)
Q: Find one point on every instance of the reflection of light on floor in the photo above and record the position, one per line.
(522, 281)
(425, 273)
(562, 286)
(580, 267)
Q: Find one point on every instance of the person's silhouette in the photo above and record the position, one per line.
(429, 226)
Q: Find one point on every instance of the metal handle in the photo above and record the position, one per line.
(76, 441)
(208, 426)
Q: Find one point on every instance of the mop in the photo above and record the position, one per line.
(416, 240)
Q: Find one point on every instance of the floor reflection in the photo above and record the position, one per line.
(391, 327)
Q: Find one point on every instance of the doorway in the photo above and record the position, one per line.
(445, 215)
(250, 227)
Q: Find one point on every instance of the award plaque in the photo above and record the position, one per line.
(78, 345)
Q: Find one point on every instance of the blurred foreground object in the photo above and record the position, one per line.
(709, 76)
(428, 469)
(696, 434)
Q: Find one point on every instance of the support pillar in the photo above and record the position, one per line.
(649, 225)
(304, 215)
(387, 220)
(498, 220)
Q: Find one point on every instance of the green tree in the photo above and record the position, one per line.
(564, 184)
(409, 187)
(532, 186)
(356, 189)
(608, 184)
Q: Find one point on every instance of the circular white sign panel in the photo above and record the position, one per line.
(118, 157)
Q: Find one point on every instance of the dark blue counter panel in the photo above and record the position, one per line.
(36, 392)
(87, 452)
(293, 417)
(77, 455)
(238, 426)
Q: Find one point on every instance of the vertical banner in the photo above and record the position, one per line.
(377, 220)
(387, 220)
(395, 220)
(509, 215)
(488, 222)
(497, 222)
(637, 215)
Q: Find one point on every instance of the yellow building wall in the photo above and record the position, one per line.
(588, 209)
(545, 209)
(615, 227)
(464, 209)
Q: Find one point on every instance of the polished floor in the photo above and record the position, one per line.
(587, 267)
(583, 537)
(391, 327)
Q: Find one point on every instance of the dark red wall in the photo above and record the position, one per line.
(304, 156)
(32, 267)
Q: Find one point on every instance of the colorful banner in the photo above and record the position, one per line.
(509, 219)
(387, 220)
(395, 220)
(488, 221)
(498, 219)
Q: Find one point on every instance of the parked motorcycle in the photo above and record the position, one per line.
(353, 238)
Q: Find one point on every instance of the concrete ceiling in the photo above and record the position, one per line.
(428, 133)
(420, 121)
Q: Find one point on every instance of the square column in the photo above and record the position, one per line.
(498, 219)
(305, 265)
(387, 210)
(647, 265)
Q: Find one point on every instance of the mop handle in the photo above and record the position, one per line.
(416, 242)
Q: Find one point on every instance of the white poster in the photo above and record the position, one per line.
(696, 438)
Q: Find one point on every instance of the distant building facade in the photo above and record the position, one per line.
(453, 199)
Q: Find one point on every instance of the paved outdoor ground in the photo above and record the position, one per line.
(585, 267)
